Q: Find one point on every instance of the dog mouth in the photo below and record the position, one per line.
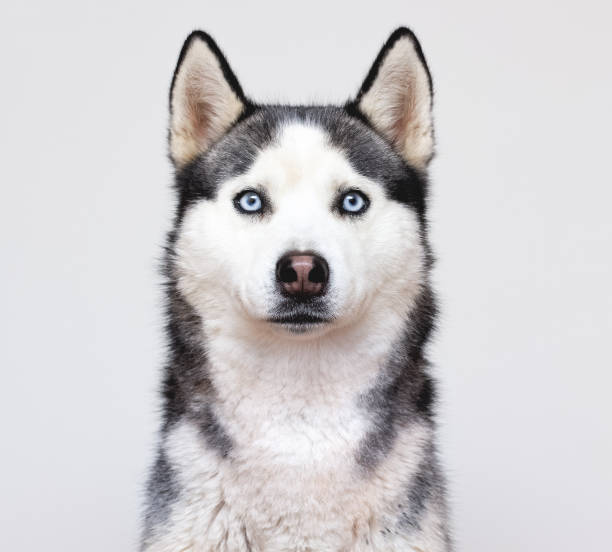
(300, 319)
(297, 319)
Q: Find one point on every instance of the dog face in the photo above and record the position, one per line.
(300, 220)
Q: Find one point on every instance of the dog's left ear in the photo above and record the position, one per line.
(205, 99)
(396, 98)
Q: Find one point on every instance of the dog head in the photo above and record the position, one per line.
(300, 220)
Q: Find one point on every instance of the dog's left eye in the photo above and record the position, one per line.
(353, 203)
(248, 201)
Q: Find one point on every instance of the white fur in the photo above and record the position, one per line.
(226, 260)
(399, 103)
(259, 502)
(290, 403)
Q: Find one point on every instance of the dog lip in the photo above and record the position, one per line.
(299, 319)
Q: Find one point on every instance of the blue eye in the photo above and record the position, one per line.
(353, 203)
(249, 202)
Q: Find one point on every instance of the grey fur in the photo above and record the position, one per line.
(215, 435)
(427, 490)
(162, 491)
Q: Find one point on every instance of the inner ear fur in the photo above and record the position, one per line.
(396, 98)
(205, 99)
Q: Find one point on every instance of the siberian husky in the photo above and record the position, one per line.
(297, 405)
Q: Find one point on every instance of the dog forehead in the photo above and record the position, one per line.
(323, 142)
(302, 153)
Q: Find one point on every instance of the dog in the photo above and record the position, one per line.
(297, 404)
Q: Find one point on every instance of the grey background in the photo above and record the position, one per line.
(520, 222)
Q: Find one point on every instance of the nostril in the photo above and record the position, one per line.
(319, 273)
(285, 271)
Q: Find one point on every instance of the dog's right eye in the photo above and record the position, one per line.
(249, 202)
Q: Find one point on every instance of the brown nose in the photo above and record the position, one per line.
(302, 274)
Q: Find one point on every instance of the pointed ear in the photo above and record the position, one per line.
(205, 99)
(396, 98)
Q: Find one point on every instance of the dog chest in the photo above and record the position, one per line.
(280, 495)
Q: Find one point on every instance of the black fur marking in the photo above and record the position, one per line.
(426, 397)
(404, 393)
(187, 390)
(186, 369)
(162, 491)
(426, 489)
(371, 156)
(231, 156)
(393, 405)
(420, 492)
(215, 435)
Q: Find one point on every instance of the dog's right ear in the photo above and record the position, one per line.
(205, 99)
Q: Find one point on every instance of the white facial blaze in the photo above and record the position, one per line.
(227, 260)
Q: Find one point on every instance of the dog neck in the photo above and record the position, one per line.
(297, 372)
